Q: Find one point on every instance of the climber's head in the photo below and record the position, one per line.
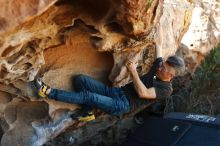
(169, 68)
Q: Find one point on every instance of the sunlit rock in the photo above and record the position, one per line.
(59, 39)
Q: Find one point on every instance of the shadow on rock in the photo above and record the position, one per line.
(30, 124)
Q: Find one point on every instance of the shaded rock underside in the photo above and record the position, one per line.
(59, 39)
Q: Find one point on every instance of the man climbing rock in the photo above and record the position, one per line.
(156, 84)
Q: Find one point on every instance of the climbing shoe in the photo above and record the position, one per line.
(83, 116)
(43, 89)
(87, 117)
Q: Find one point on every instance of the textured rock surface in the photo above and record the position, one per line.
(203, 33)
(58, 39)
(27, 128)
(13, 12)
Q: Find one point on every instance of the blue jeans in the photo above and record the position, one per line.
(91, 92)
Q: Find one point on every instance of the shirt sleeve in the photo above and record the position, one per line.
(157, 63)
(162, 93)
(149, 76)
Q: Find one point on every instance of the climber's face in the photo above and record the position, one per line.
(165, 72)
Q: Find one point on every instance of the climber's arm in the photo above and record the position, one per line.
(141, 89)
(158, 52)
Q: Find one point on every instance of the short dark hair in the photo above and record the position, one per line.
(176, 62)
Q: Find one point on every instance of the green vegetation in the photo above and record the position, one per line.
(207, 73)
(205, 87)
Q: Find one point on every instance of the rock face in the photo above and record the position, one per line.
(57, 39)
(203, 33)
(14, 13)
